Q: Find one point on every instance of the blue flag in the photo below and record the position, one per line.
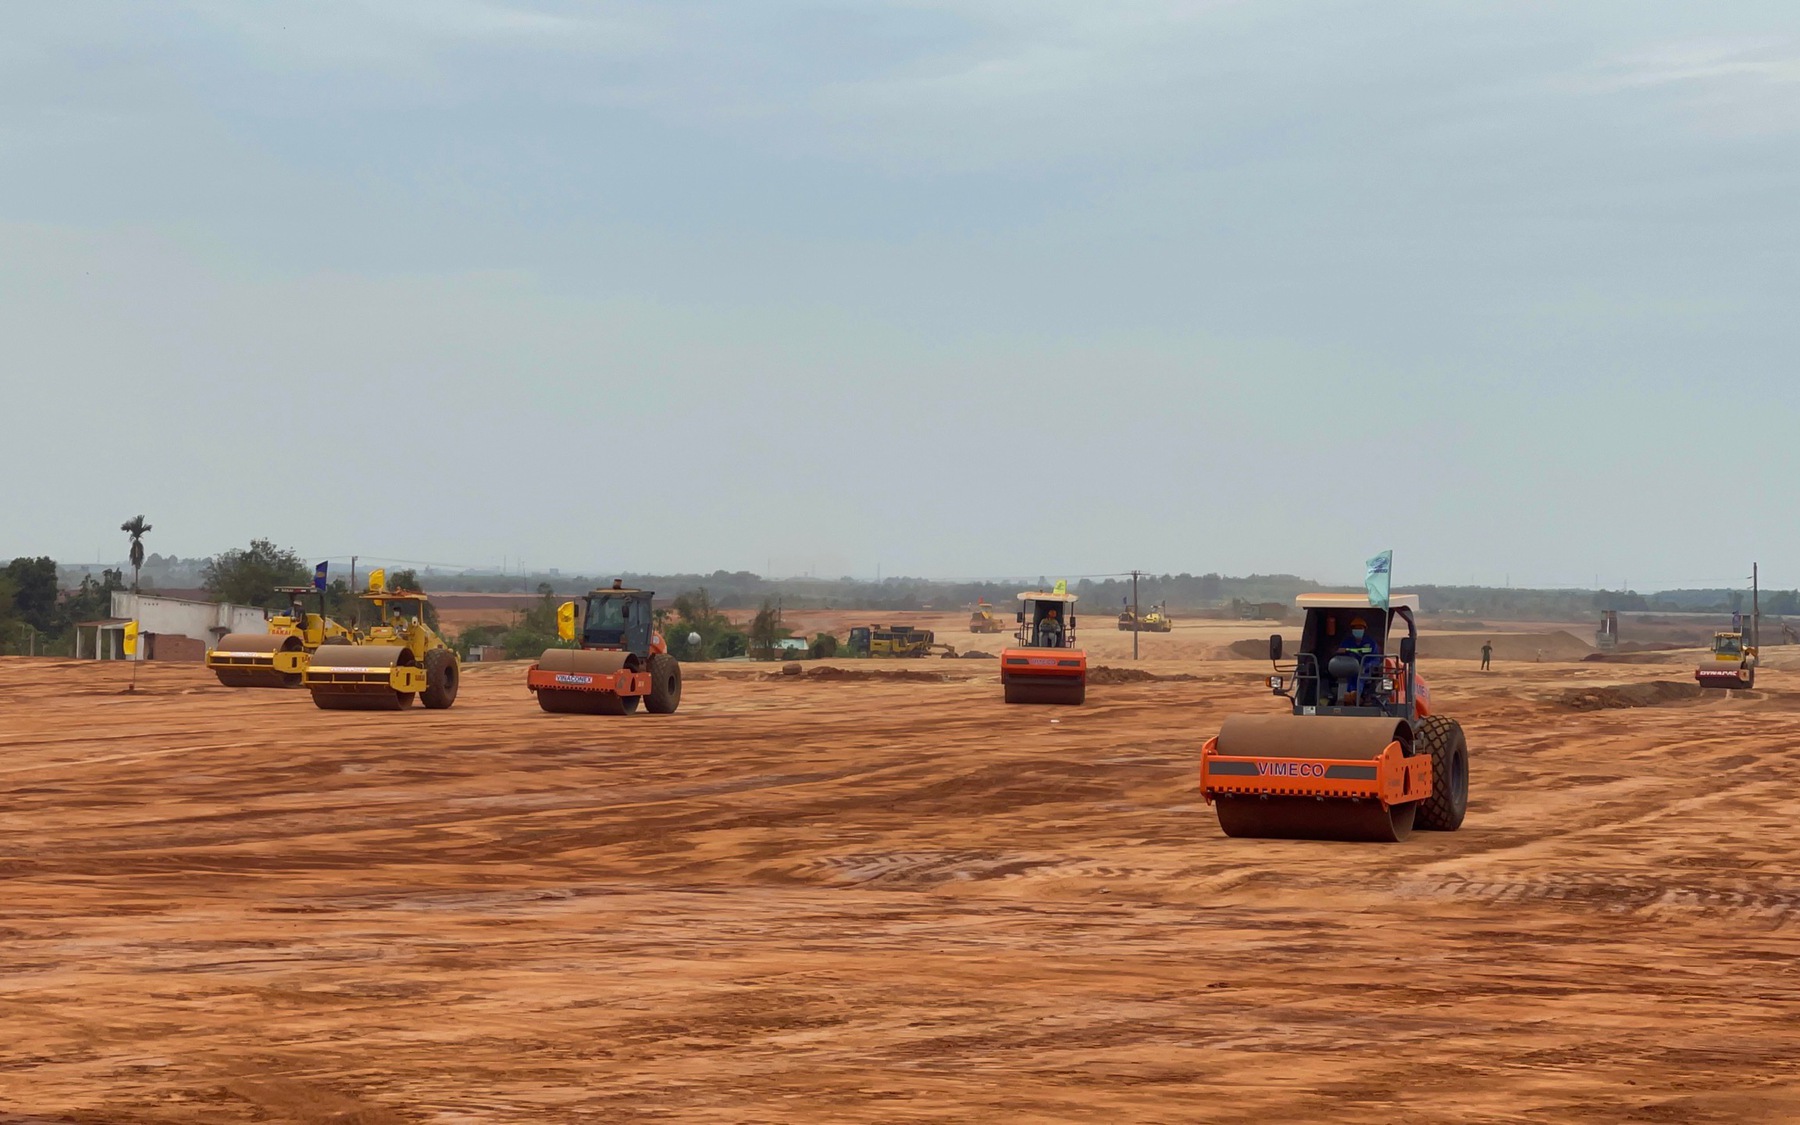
(1378, 580)
(319, 575)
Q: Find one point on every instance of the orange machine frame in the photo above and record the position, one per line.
(1390, 777)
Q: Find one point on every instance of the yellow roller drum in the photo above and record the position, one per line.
(364, 677)
(258, 660)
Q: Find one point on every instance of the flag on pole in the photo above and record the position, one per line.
(319, 575)
(1062, 586)
(131, 636)
(1379, 579)
(565, 621)
(378, 580)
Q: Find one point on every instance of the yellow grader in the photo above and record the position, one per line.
(399, 659)
(279, 657)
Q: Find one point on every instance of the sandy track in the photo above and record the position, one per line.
(877, 900)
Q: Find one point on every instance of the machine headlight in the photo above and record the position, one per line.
(1387, 683)
(1275, 683)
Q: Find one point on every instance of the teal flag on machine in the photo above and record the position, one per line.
(1378, 581)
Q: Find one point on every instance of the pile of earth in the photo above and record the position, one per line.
(1651, 694)
(1107, 675)
(845, 675)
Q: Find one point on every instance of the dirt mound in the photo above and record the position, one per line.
(1632, 658)
(976, 655)
(845, 675)
(1517, 647)
(1107, 675)
(1652, 694)
(1256, 648)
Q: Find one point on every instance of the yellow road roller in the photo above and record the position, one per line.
(400, 659)
(1359, 754)
(279, 657)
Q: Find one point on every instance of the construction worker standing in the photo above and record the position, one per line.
(1487, 654)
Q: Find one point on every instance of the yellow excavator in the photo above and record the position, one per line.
(398, 660)
(279, 657)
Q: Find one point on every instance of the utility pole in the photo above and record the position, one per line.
(353, 559)
(1755, 611)
(1137, 623)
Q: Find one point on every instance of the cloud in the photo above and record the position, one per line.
(1732, 87)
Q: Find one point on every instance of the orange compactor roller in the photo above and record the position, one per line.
(1359, 755)
(1046, 667)
(622, 661)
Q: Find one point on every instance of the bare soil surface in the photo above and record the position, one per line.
(879, 899)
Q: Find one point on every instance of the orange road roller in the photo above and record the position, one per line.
(1359, 754)
(622, 662)
(1046, 667)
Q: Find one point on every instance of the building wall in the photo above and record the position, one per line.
(169, 618)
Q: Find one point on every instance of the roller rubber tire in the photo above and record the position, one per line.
(442, 679)
(1443, 739)
(665, 685)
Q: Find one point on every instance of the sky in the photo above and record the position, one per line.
(956, 290)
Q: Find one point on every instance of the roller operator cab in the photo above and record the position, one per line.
(621, 661)
(1045, 667)
(1359, 754)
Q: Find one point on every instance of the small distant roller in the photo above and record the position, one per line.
(622, 663)
(1046, 667)
(1360, 756)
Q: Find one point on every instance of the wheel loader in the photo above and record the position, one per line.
(1046, 667)
(1359, 754)
(398, 660)
(279, 657)
(622, 660)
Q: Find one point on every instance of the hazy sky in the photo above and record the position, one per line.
(956, 289)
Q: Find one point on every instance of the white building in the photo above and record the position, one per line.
(168, 628)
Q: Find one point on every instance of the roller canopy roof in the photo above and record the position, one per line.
(1354, 601)
(1045, 596)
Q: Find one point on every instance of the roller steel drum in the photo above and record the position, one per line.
(578, 661)
(1312, 818)
(359, 677)
(248, 659)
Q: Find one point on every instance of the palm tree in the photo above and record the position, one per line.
(136, 528)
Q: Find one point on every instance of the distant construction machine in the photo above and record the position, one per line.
(399, 659)
(1046, 667)
(890, 641)
(1361, 755)
(279, 657)
(622, 662)
(1156, 620)
(1732, 661)
(983, 619)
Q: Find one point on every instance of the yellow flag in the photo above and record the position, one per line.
(1062, 586)
(131, 632)
(377, 580)
(565, 621)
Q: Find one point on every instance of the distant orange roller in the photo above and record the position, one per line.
(1046, 667)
